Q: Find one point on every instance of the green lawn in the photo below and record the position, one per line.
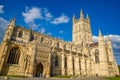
(114, 78)
(61, 77)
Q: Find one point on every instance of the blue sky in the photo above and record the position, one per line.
(54, 17)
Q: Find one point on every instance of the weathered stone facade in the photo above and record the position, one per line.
(24, 52)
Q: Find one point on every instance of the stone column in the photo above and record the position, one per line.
(49, 67)
(80, 65)
(88, 67)
(3, 55)
(92, 67)
(30, 67)
(83, 66)
(77, 65)
(63, 64)
(70, 65)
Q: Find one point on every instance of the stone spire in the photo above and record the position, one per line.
(74, 18)
(109, 43)
(12, 21)
(100, 34)
(81, 14)
(88, 18)
(31, 34)
(31, 26)
(108, 38)
(101, 38)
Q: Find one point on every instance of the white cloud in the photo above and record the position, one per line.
(62, 19)
(116, 46)
(35, 26)
(61, 32)
(1, 9)
(95, 38)
(115, 39)
(48, 16)
(61, 38)
(35, 13)
(3, 26)
(32, 14)
(42, 30)
(3, 23)
(49, 33)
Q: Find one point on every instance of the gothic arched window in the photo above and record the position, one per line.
(31, 38)
(96, 56)
(41, 39)
(73, 63)
(83, 26)
(20, 34)
(56, 60)
(64, 46)
(65, 61)
(14, 56)
(58, 45)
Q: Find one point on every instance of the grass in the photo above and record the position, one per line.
(61, 76)
(119, 68)
(20, 76)
(113, 78)
(17, 76)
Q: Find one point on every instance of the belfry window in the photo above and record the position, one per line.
(96, 56)
(56, 61)
(20, 34)
(14, 55)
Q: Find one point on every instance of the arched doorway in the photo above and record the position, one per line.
(39, 70)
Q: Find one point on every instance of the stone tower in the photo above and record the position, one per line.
(7, 37)
(103, 56)
(112, 62)
(10, 29)
(81, 33)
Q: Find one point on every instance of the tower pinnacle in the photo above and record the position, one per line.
(31, 27)
(108, 37)
(12, 21)
(100, 34)
(74, 18)
(87, 18)
(81, 14)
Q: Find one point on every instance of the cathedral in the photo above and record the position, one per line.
(25, 52)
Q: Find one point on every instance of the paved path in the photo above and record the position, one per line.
(78, 78)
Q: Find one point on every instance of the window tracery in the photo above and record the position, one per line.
(14, 55)
(20, 34)
(96, 56)
(56, 61)
(65, 61)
